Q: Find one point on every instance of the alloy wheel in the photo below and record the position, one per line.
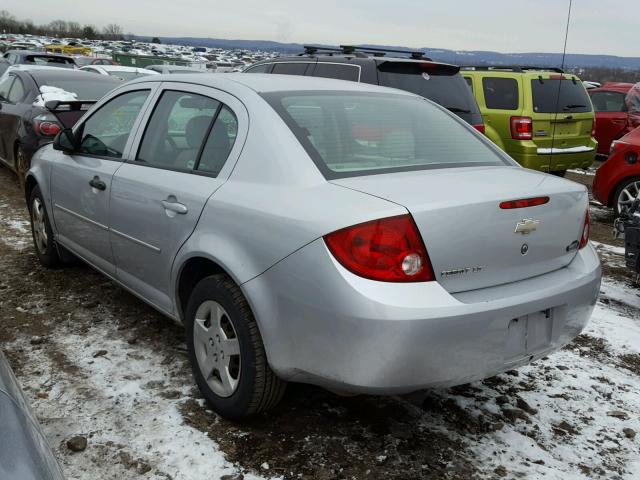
(39, 226)
(627, 195)
(217, 348)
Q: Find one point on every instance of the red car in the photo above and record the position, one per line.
(617, 181)
(612, 116)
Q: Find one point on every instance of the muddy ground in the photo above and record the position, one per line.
(95, 361)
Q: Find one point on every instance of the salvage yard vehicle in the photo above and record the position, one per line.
(612, 114)
(542, 117)
(617, 181)
(351, 236)
(26, 57)
(26, 120)
(414, 73)
(118, 71)
(24, 452)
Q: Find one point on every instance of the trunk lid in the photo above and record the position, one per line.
(471, 241)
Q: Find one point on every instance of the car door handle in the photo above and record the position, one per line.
(95, 182)
(172, 204)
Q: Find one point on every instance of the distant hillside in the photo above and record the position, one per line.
(444, 55)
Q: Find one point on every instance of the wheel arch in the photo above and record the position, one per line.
(612, 194)
(29, 185)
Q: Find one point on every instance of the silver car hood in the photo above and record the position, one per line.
(471, 241)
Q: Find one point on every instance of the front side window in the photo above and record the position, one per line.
(176, 130)
(349, 134)
(106, 132)
(500, 93)
(608, 101)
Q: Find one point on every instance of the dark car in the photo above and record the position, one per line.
(612, 114)
(26, 123)
(24, 452)
(26, 57)
(416, 73)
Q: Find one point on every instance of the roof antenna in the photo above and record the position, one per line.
(564, 54)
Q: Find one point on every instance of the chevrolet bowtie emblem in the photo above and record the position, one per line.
(526, 226)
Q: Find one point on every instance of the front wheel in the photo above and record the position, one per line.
(46, 249)
(625, 194)
(225, 348)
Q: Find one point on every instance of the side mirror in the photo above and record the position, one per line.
(65, 141)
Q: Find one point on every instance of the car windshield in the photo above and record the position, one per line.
(559, 96)
(349, 134)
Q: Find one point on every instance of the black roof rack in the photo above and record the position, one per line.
(513, 68)
(361, 51)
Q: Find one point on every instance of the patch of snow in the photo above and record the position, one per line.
(48, 93)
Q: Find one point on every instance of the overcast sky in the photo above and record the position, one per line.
(598, 26)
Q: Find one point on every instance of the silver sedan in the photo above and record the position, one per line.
(313, 230)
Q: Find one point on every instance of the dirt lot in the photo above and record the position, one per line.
(94, 361)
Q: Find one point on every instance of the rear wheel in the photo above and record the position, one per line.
(625, 194)
(226, 351)
(46, 249)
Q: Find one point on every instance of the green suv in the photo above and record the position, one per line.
(543, 118)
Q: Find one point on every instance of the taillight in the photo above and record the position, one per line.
(387, 250)
(46, 127)
(521, 128)
(524, 202)
(584, 238)
(593, 128)
(479, 127)
(616, 146)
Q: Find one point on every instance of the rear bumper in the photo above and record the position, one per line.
(556, 158)
(323, 325)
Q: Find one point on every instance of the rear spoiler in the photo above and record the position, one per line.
(68, 106)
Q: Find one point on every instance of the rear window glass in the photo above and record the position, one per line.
(85, 89)
(608, 101)
(297, 68)
(445, 89)
(350, 134)
(340, 72)
(47, 60)
(500, 93)
(559, 96)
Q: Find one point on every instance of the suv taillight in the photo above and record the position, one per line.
(387, 250)
(521, 128)
(586, 227)
(593, 128)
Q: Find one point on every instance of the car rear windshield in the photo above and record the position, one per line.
(559, 96)
(353, 134)
(48, 60)
(93, 88)
(442, 85)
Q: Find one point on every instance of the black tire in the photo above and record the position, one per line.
(258, 389)
(46, 250)
(624, 184)
(559, 173)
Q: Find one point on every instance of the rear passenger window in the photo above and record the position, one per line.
(105, 133)
(469, 82)
(340, 72)
(500, 93)
(177, 129)
(263, 68)
(219, 143)
(17, 91)
(297, 68)
(608, 101)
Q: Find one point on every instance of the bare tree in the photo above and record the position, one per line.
(112, 31)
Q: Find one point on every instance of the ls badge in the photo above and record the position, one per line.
(526, 226)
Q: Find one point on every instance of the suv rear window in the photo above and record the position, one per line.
(500, 93)
(354, 134)
(559, 96)
(444, 86)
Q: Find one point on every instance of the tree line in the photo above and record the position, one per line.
(59, 28)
